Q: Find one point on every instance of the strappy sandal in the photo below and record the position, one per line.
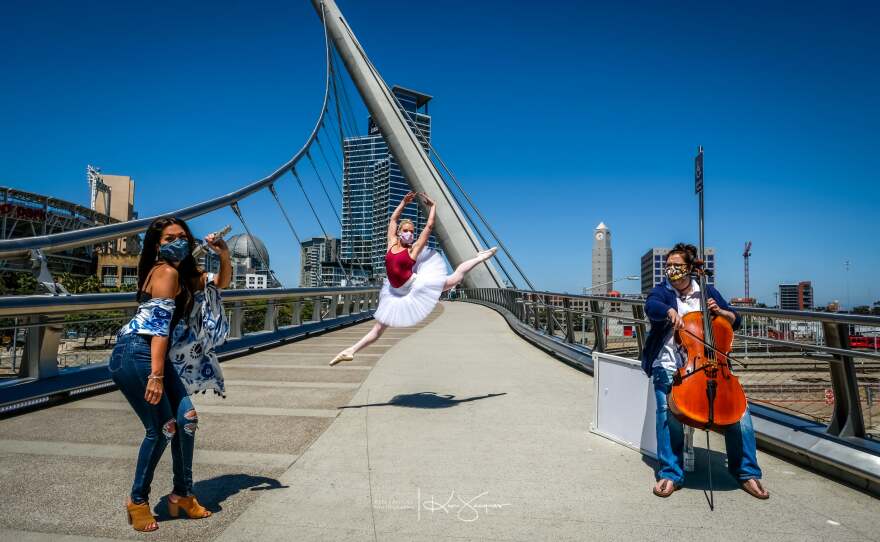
(139, 517)
(189, 505)
(759, 493)
(666, 488)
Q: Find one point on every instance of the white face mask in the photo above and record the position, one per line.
(406, 237)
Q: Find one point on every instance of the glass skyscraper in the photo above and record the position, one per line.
(373, 185)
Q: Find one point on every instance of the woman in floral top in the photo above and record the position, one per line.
(168, 283)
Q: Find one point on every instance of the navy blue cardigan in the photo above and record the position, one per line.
(659, 301)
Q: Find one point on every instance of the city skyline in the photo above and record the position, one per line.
(790, 152)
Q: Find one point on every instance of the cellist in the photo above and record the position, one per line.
(667, 303)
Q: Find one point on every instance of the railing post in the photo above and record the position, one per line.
(346, 304)
(846, 420)
(598, 325)
(316, 310)
(334, 301)
(296, 313)
(638, 312)
(235, 319)
(270, 323)
(535, 314)
(569, 325)
(40, 358)
(548, 327)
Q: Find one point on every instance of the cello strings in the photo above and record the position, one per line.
(707, 345)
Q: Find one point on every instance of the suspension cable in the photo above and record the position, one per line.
(327, 163)
(284, 212)
(330, 201)
(476, 209)
(346, 102)
(338, 114)
(393, 98)
(332, 151)
(237, 210)
(324, 230)
(324, 187)
(292, 229)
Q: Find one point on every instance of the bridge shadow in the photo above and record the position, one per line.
(214, 491)
(722, 480)
(426, 399)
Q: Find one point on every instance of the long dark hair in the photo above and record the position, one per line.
(689, 254)
(187, 270)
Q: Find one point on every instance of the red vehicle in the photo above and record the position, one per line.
(860, 341)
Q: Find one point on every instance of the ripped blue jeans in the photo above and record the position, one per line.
(739, 438)
(171, 419)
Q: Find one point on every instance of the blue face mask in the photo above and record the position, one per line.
(174, 251)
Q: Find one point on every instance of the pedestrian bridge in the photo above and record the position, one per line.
(457, 429)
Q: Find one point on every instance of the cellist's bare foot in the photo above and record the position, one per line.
(665, 487)
(754, 488)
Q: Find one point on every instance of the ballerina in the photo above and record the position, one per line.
(416, 276)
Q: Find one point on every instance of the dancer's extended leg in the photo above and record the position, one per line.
(458, 275)
(366, 340)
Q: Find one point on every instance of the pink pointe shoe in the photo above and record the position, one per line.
(486, 254)
(340, 357)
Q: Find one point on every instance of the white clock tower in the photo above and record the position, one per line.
(602, 260)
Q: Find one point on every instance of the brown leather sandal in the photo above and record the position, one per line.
(189, 505)
(756, 490)
(665, 488)
(140, 517)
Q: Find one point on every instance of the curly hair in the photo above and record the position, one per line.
(689, 253)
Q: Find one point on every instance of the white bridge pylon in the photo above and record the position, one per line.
(451, 229)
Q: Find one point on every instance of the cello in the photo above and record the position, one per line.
(705, 393)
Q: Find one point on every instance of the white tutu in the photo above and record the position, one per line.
(412, 302)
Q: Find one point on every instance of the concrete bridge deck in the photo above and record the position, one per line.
(455, 430)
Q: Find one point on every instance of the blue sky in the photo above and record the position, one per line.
(554, 119)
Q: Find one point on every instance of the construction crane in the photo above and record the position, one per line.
(746, 253)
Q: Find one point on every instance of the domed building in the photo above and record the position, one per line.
(250, 263)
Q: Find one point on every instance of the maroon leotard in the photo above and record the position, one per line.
(398, 267)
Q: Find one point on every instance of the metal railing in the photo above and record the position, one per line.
(798, 362)
(50, 339)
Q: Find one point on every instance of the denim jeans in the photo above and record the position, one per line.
(739, 439)
(171, 419)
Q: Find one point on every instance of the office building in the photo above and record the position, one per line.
(320, 265)
(796, 297)
(113, 197)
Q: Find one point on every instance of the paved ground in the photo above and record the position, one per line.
(461, 431)
(68, 469)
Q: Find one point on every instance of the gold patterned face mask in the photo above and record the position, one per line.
(676, 271)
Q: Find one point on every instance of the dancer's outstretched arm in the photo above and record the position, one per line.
(420, 243)
(392, 222)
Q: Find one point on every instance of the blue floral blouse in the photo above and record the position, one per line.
(193, 342)
(153, 317)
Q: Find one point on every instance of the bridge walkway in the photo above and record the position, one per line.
(457, 430)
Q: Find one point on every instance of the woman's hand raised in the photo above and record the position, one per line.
(218, 245)
(428, 201)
